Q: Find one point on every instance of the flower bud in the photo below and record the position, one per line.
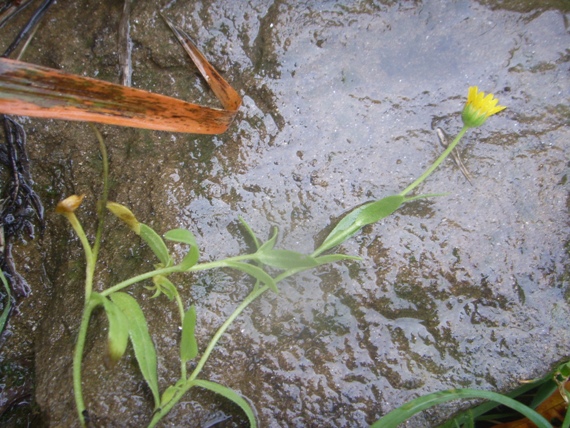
(69, 205)
(125, 215)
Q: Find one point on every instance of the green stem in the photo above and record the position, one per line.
(206, 355)
(101, 211)
(181, 313)
(172, 269)
(256, 293)
(438, 161)
(89, 257)
(246, 302)
(78, 357)
(139, 278)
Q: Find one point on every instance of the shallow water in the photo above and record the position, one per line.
(341, 102)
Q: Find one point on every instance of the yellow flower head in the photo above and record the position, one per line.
(479, 107)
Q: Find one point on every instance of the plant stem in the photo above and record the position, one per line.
(89, 258)
(139, 278)
(101, 211)
(78, 356)
(256, 293)
(246, 302)
(172, 269)
(181, 313)
(434, 165)
(190, 381)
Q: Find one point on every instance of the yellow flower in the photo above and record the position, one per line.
(479, 107)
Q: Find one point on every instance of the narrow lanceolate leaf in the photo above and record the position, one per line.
(255, 272)
(270, 243)
(141, 340)
(181, 235)
(250, 232)
(360, 217)
(31, 90)
(190, 259)
(230, 394)
(188, 344)
(333, 258)
(118, 337)
(285, 259)
(168, 394)
(156, 244)
(379, 210)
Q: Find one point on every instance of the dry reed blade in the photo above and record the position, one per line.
(32, 90)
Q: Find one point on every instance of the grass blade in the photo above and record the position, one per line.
(401, 414)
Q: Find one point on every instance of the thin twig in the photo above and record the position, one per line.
(454, 155)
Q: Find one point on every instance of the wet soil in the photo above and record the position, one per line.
(341, 103)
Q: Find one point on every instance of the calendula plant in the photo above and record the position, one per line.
(267, 265)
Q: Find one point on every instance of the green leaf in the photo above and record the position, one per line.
(250, 232)
(156, 244)
(118, 337)
(360, 217)
(181, 235)
(6, 310)
(402, 413)
(285, 259)
(141, 340)
(168, 394)
(164, 285)
(186, 237)
(379, 210)
(564, 369)
(542, 393)
(190, 259)
(270, 243)
(255, 272)
(230, 394)
(333, 258)
(188, 344)
(344, 229)
(566, 421)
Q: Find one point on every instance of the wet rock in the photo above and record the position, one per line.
(341, 102)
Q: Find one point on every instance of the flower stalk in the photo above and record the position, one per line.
(67, 208)
(476, 111)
